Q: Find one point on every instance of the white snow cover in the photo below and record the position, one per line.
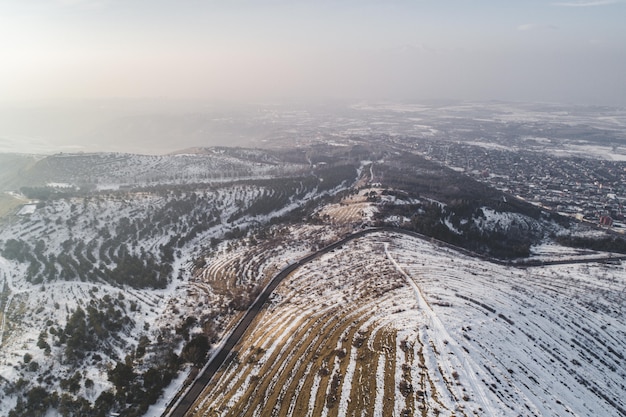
(27, 209)
(30, 309)
(470, 337)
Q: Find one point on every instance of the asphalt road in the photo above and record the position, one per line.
(193, 392)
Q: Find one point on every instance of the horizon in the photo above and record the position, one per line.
(75, 71)
(162, 126)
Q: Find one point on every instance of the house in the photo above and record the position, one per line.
(606, 221)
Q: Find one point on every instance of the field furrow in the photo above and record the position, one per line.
(391, 325)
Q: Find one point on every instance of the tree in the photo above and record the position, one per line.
(103, 404)
(16, 250)
(195, 351)
(121, 376)
(78, 339)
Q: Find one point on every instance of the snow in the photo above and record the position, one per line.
(504, 346)
(154, 312)
(346, 386)
(481, 338)
(313, 395)
(444, 342)
(380, 386)
(59, 185)
(157, 409)
(550, 251)
(586, 150)
(489, 145)
(27, 209)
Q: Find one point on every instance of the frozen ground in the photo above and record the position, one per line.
(393, 325)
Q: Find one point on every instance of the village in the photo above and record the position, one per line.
(588, 189)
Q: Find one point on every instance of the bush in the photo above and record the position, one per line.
(195, 351)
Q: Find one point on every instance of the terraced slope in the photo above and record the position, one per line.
(392, 325)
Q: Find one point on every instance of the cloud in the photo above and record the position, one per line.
(536, 26)
(592, 3)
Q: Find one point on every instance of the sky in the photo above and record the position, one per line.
(566, 51)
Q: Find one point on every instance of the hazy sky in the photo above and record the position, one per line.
(570, 51)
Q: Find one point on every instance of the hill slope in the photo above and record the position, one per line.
(110, 288)
(391, 324)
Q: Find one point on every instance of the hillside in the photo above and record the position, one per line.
(12, 166)
(394, 325)
(112, 170)
(92, 282)
(120, 274)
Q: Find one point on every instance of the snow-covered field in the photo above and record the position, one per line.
(394, 325)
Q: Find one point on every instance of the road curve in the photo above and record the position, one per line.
(186, 401)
